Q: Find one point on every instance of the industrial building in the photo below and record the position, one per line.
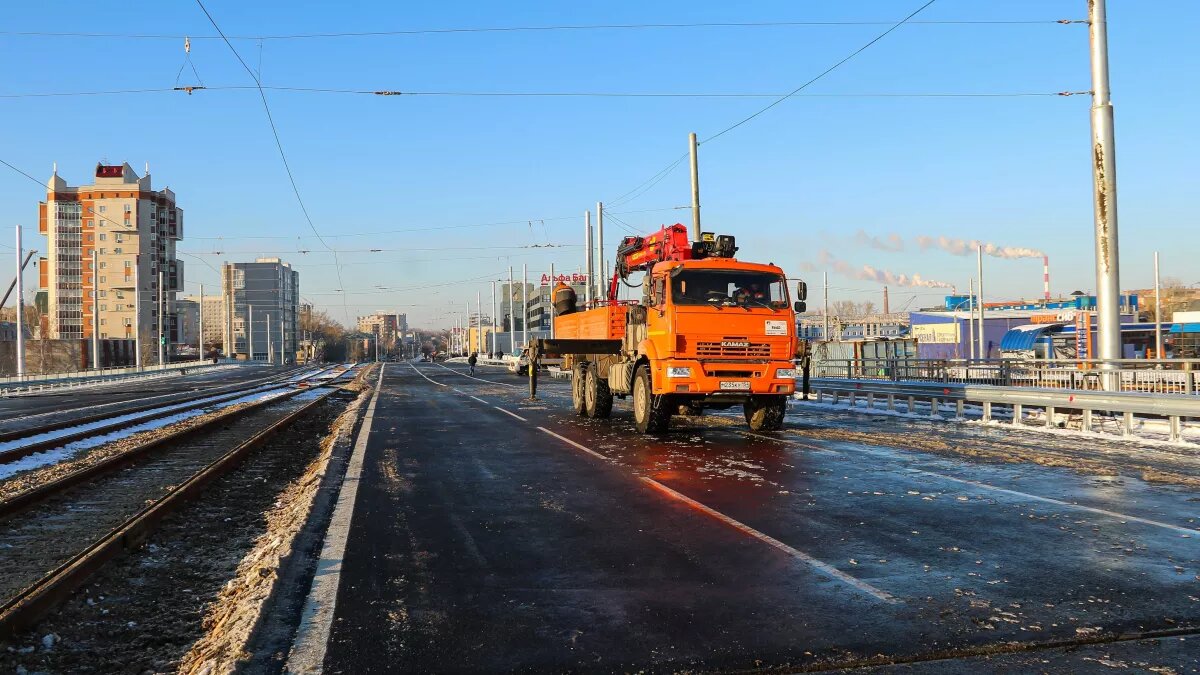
(109, 244)
(261, 302)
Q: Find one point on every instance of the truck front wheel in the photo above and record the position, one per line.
(578, 400)
(765, 413)
(597, 397)
(650, 412)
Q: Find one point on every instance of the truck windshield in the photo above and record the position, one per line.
(728, 288)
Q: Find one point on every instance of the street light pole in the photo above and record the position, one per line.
(95, 309)
(600, 274)
(1104, 190)
(494, 346)
(981, 334)
(1158, 339)
(695, 186)
(587, 257)
(200, 354)
(137, 311)
(20, 311)
(161, 319)
(525, 302)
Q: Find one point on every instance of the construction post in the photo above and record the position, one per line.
(981, 335)
(1104, 189)
(1158, 339)
(20, 311)
(587, 258)
(695, 188)
(137, 311)
(600, 275)
(95, 309)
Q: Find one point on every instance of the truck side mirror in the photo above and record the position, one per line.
(800, 307)
(801, 292)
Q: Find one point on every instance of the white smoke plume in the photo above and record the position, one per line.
(965, 247)
(893, 242)
(868, 273)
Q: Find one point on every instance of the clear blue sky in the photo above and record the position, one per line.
(802, 177)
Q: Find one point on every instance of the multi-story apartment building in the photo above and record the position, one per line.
(382, 324)
(261, 302)
(132, 230)
(213, 310)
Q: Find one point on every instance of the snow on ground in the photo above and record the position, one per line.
(56, 455)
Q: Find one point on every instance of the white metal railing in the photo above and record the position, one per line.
(1167, 376)
(1016, 401)
(12, 384)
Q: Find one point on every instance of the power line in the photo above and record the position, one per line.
(532, 29)
(394, 250)
(278, 143)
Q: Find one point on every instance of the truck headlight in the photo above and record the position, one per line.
(679, 371)
(786, 373)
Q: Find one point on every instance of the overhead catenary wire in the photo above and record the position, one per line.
(670, 167)
(390, 93)
(547, 28)
(278, 142)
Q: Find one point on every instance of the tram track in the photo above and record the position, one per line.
(50, 530)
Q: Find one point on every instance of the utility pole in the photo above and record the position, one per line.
(467, 326)
(479, 318)
(553, 285)
(1104, 189)
(270, 345)
(525, 303)
(95, 310)
(825, 334)
(137, 311)
(162, 317)
(1158, 339)
(20, 311)
(512, 315)
(695, 187)
(982, 339)
(587, 258)
(600, 273)
(250, 332)
(494, 336)
(971, 319)
(282, 343)
(200, 354)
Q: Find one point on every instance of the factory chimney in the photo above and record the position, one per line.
(885, 301)
(1046, 277)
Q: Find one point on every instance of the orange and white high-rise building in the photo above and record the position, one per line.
(130, 226)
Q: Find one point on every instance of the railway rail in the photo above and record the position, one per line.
(50, 528)
(21, 443)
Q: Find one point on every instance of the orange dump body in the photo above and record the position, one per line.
(600, 323)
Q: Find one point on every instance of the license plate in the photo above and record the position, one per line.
(735, 386)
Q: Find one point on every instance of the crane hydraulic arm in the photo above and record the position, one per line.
(638, 254)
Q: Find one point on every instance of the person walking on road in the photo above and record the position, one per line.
(471, 361)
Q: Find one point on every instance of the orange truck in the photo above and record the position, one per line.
(710, 332)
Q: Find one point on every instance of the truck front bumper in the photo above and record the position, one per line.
(706, 378)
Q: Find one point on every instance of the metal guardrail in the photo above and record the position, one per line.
(12, 386)
(1128, 404)
(1168, 376)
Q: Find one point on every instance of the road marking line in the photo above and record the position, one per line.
(426, 376)
(476, 398)
(1016, 493)
(456, 372)
(316, 621)
(510, 414)
(568, 441)
(823, 567)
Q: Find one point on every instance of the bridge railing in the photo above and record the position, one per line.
(1167, 376)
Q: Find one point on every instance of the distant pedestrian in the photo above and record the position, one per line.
(471, 361)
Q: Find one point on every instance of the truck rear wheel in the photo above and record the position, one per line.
(597, 397)
(578, 403)
(650, 412)
(765, 413)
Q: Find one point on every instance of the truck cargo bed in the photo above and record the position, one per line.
(600, 323)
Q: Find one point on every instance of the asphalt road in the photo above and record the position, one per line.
(58, 401)
(492, 533)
